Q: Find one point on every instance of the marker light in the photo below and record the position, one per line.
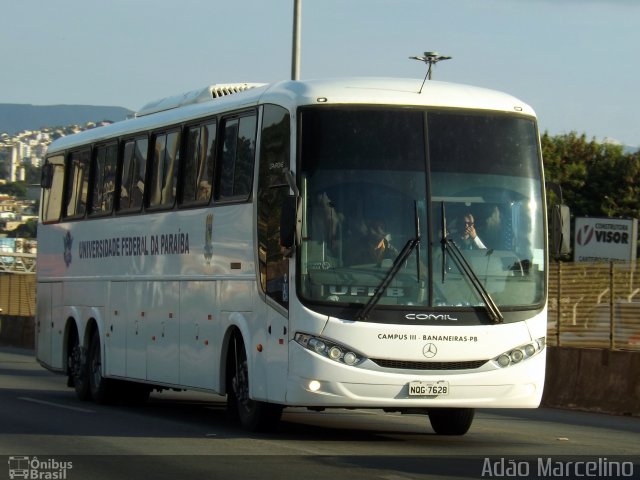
(521, 353)
(337, 353)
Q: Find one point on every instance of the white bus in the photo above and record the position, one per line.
(303, 243)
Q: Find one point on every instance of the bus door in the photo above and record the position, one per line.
(274, 275)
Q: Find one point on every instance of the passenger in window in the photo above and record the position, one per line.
(380, 242)
(327, 219)
(324, 232)
(370, 242)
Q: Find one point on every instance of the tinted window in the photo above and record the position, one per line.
(272, 189)
(235, 175)
(491, 144)
(164, 171)
(197, 176)
(104, 179)
(78, 184)
(52, 197)
(133, 174)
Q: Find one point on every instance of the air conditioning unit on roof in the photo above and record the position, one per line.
(195, 96)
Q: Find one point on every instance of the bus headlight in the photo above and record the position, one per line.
(334, 351)
(521, 353)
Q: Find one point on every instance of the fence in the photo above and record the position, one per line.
(18, 306)
(590, 305)
(594, 305)
(17, 294)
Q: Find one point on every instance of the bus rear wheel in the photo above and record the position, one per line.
(78, 368)
(253, 415)
(102, 389)
(451, 421)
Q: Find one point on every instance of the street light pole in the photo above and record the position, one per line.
(295, 56)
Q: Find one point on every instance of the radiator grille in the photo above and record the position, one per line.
(409, 365)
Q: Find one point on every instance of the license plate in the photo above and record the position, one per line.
(422, 389)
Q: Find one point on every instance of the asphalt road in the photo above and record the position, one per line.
(183, 435)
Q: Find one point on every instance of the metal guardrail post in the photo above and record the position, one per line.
(559, 303)
(611, 305)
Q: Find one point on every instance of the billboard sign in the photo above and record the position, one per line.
(605, 239)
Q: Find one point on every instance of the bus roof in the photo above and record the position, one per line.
(290, 94)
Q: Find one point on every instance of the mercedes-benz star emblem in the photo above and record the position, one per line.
(429, 350)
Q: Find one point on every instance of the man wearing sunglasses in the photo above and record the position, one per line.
(470, 238)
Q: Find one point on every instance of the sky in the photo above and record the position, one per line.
(576, 62)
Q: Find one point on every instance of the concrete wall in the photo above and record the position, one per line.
(593, 380)
(17, 331)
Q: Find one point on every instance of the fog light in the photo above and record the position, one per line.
(314, 385)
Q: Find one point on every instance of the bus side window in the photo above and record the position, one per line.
(235, 173)
(164, 170)
(197, 171)
(78, 183)
(52, 193)
(104, 177)
(133, 175)
(272, 192)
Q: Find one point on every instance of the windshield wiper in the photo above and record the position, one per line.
(463, 265)
(443, 240)
(395, 268)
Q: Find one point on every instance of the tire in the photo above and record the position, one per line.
(102, 389)
(78, 368)
(253, 415)
(451, 421)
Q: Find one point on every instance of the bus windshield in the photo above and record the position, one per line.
(375, 179)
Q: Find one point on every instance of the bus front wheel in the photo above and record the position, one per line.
(451, 421)
(252, 414)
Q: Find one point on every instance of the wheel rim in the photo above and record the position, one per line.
(76, 360)
(246, 406)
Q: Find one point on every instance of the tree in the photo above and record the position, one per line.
(15, 189)
(29, 229)
(597, 179)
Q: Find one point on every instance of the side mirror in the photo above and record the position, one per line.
(288, 222)
(46, 178)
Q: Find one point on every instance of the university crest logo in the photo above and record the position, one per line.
(68, 243)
